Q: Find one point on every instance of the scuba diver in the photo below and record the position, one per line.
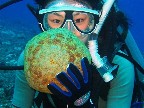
(96, 92)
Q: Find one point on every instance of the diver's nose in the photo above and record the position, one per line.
(70, 26)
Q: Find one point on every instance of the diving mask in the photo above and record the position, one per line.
(68, 15)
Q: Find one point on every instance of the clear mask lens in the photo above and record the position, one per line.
(81, 21)
(84, 22)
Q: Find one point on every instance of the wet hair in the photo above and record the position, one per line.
(108, 35)
(42, 3)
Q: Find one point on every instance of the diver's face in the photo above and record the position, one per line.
(74, 15)
(56, 19)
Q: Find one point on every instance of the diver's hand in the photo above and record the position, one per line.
(78, 85)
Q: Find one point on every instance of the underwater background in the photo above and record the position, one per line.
(18, 25)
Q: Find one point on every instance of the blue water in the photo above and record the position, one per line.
(132, 8)
(17, 22)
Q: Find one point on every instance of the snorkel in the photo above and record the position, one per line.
(103, 66)
(8, 3)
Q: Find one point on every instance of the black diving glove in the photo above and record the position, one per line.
(77, 84)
